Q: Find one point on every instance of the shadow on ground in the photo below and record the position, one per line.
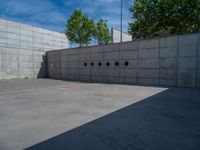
(169, 120)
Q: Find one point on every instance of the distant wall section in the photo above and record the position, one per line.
(23, 47)
(116, 36)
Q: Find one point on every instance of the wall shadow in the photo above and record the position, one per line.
(169, 120)
(42, 73)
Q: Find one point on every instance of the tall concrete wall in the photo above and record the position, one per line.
(166, 61)
(23, 47)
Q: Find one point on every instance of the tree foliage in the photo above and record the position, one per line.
(158, 17)
(80, 28)
(102, 33)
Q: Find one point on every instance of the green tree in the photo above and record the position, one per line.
(102, 33)
(80, 28)
(160, 17)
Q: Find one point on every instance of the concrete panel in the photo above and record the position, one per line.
(72, 77)
(97, 49)
(189, 39)
(26, 32)
(13, 36)
(128, 80)
(84, 72)
(96, 72)
(3, 21)
(3, 44)
(132, 64)
(168, 74)
(131, 73)
(3, 41)
(128, 54)
(10, 68)
(109, 79)
(98, 79)
(26, 44)
(198, 73)
(1, 69)
(83, 50)
(38, 35)
(166, 42)
(3, 35)
(149, 44)
(83, 64)
(168, 63)
(71, 58)
(84, 57)
(111, 47)
(13, 30)
(148, 53)
(198, 45)
(187, 50)
(186, 77)
(26, 27)
(13, 43)
(111, 72)
(168, 52)
(187, 62)
(72, 65)
(129, 46)
(148, 73)
(148, 63)
(111, 55)
(38, 30)
(167, 82)
(84, 78)
(147, 81)
(11, 24)
(95, 57)
(26, 38)
(2, 27)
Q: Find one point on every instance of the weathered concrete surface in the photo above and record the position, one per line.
(165, 61)
(113, 117)
(23, 47)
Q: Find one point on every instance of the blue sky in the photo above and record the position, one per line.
(52, 14)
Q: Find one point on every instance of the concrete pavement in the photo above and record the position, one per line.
(51, 114)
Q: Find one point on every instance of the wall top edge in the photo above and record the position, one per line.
(33, 26)
(127, 42)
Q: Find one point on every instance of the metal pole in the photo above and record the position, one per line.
(121, 21)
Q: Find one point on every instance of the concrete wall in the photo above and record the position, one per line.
(23, 47)
(116, 36)
(166, 61)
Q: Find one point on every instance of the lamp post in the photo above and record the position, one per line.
(121, 21)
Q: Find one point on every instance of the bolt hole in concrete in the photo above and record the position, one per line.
(85, 64)
(126, 63)
(108, 64)
(92, 64)
(99, 64)
(116, 63)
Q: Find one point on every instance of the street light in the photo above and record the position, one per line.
(121, 20)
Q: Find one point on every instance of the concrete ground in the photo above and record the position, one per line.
(47, 114)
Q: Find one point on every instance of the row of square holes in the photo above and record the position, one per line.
(107, 63)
